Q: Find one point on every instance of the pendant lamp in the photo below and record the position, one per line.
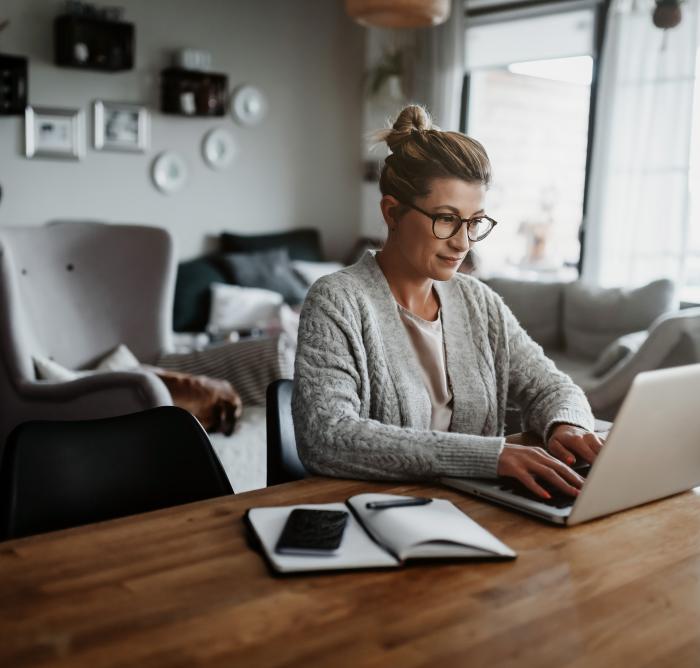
(667, 14)
(398, 13)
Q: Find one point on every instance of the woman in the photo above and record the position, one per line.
(404, 367)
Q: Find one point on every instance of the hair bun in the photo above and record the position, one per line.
(411, 119)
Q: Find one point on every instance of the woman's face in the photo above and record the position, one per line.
(424, 255)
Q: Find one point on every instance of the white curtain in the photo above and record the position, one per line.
(637, 223)
(438, 72)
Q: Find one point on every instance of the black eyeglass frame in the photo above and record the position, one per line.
(468, 221)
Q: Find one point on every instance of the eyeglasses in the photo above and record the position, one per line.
(446, 225)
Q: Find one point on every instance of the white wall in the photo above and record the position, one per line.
(300, 167)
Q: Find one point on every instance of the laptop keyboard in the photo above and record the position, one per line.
(559, 499)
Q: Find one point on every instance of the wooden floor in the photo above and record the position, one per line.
(182, 587)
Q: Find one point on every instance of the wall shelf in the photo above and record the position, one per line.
(13, 85)
(91, 43)
(193, 92)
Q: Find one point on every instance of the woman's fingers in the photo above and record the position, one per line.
(563, 471)
(582, 448)
(564, 482)
(573, 441)
(578, 447)
(560, 452)
(529, 464)
(594, 441)
(532, 485)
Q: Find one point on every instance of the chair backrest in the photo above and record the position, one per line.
(73, 291)
(283, 463)
(55, 475)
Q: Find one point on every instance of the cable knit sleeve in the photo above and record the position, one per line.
(333, 391)
(545, 395)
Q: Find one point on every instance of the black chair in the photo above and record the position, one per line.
(60, 474)
(283, 463)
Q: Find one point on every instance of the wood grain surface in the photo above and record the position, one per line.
(181, 587)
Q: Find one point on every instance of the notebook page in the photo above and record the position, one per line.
(436, 529)
(357, 549)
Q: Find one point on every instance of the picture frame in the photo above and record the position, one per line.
(52, 132)
(120, 126)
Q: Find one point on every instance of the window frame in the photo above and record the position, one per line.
(510, 11)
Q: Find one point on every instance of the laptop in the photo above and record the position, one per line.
(653, 451)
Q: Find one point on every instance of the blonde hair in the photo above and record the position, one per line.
(421, 152)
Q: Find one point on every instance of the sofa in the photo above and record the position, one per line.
(603, 338)
(194, 277)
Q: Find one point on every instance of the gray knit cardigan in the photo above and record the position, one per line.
(361, 409)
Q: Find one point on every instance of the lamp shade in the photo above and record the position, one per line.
(398, 13)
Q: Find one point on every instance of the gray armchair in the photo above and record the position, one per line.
(72, 292)
(673, 340)
(603, 338)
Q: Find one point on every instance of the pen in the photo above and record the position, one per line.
(398, 503)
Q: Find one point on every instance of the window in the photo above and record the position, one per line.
(690, 290)
(528, 103)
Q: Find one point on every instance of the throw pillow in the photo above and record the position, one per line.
(47, 369)
(120, 359)
(310, 272)
(270, 270)
(192, 296)
(237, 308)
(537, 306)
(619, 350)
(303, 244)
(594, 317)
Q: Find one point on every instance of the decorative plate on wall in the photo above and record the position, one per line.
(218, 148)
(248, 105)
(169, 172)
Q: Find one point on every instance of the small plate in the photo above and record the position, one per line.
(169, 172)
(248, 105)
(218, 148)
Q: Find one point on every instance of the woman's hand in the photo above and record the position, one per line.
(568, 442)
(527, 463)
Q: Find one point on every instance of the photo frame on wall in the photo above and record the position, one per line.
(120, 126)
(54, 133)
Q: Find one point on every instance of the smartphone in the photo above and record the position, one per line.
(312, 532)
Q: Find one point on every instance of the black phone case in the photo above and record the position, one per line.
(309, 529)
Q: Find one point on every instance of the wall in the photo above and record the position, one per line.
(380, 110)
(300, 167)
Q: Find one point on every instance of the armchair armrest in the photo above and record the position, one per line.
(118, 392)
(665, 346)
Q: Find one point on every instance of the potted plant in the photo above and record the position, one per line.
(387, 73)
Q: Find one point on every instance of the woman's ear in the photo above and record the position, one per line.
(390, 207)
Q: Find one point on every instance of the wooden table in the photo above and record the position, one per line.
(181, 587)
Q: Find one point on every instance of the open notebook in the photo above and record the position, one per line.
(382, 538)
